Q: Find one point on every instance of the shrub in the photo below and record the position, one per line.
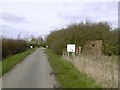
(80, 33)
(13, 46)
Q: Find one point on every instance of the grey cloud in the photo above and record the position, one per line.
(5, 26)
(119, 14)
(9, 31)
(70, 16)
(92, 11)
(12, 18)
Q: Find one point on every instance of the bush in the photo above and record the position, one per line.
(12, 46)
(80, 33)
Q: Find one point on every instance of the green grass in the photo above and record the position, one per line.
(0, 68)
(10, 62)
(67, 75)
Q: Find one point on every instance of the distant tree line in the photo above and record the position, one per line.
(82, 32)
(37, 42)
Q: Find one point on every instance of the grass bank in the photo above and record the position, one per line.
(0, 68)
(10, 62)
(67, 75)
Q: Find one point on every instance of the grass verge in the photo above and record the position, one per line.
(67, 75)
(0, 68)
(10, 62)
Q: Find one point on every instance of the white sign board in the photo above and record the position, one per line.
(70, 47)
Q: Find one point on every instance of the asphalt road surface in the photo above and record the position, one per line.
(33, 72)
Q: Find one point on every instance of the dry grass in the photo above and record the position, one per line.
(104, 69)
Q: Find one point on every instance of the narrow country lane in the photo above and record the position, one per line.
(33, 72)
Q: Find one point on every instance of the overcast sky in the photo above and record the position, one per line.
(39, 18)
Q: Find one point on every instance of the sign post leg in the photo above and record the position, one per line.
(68, 55)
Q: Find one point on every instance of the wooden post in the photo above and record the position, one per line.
(79, 50)
(68, 55)
(74, 56)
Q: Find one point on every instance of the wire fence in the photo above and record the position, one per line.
(104, 69)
